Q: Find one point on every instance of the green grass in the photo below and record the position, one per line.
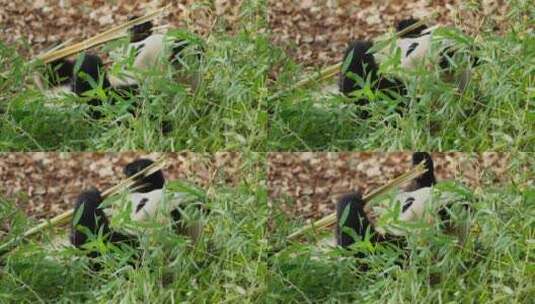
(495, 113)
(226, 265)
(230, 110)
(226, 113)
(494, 266)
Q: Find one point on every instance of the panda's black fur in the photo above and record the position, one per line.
(403, 24)
(92, 67)
(363, 64)
(428, 178)
(62, 72)
(141, 31)
(147, 183)
(151, 182)
(365, 67)
(357, 218)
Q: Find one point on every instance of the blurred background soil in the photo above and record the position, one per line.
(46, 184)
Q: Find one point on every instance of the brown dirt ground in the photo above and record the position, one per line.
(316, 32)
(42, 24)
(306, 185)
(46, 184)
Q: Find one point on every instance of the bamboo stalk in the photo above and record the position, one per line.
(67, 215)
(161, 28)
(111, 34)
(332, 70)
(331, 218)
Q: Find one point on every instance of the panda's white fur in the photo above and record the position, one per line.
(146, 206)
(414, 50)
(150, 50)
(155, 206)
(412, 205)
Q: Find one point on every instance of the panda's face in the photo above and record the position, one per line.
(414, 50)
(145, 205)
(414, 204)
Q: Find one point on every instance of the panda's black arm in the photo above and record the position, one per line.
(59, 72)
(93, 219)
(118, 238)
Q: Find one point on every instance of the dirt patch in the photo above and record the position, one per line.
(316, 32)
(46, 184)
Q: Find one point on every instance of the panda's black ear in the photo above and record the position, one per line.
(141, 31)
(145, 183)
(428, 178)
(136, 166)
(403, 24)
(418, 157)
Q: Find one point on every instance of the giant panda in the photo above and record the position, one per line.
(414, 47)
(146, 199)
(355, 220)
(148, 50)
